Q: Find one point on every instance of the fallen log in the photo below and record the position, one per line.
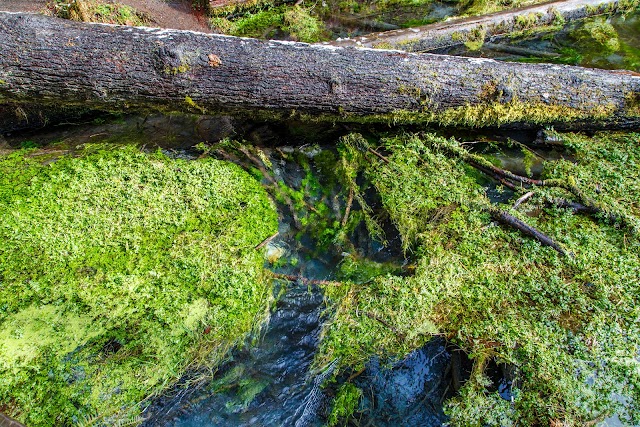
(474, 30)
(53, 62)
(6, 421)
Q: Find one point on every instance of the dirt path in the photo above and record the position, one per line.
(23, 5)
(176, 14)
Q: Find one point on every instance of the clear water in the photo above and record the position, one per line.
(270, 382)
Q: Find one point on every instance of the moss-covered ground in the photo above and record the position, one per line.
(568, 325)
(120, 270)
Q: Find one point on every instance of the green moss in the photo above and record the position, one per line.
(569, 326)
(345, 405)
(98, 11)
(182, 68)
(274, 22)
(192, 104)
(523, 22)
(114, 265)
(483, 7)
(597, 34)
(359, 270)
(244, 7)
(485, 114)
(474, 39)
(260, 24)
(302, 26)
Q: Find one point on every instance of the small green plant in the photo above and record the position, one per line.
(345, 405)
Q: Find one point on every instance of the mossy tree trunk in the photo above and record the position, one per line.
(474, 30)
(55, 62)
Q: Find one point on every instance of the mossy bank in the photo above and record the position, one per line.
(120, 270)
(567, 325)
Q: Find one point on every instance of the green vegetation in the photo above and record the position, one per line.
(567, 324)
(344, 404)
(483, 7)
(294, 22)
(598, 34)
(121, 270)
(98, 11)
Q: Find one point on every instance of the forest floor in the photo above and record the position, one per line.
(178, 14)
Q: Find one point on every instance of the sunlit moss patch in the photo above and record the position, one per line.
(119, 271)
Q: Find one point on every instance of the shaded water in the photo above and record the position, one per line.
(264, 384)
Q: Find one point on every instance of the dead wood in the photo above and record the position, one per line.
(510, 220)
(456, 32)
(50, 62)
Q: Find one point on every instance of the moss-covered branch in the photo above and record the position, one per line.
(472, 32)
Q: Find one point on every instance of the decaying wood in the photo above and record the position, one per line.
(521, 51)
(5, 421)
(456, 32)
(55, 62)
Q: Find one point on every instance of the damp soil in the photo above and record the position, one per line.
(177, 14)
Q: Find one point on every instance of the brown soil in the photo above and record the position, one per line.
(23, 5)
(178, 14)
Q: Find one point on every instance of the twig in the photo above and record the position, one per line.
(345, 218)
(523, 199)
(266, 241)
(393, 329)
(477, 161)
(356, 374)
(512, 221)
(495, 176)
(378, 155)
(304, 280)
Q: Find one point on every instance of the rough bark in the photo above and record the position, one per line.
(456, 32)
(5, 421)
(55, 62)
